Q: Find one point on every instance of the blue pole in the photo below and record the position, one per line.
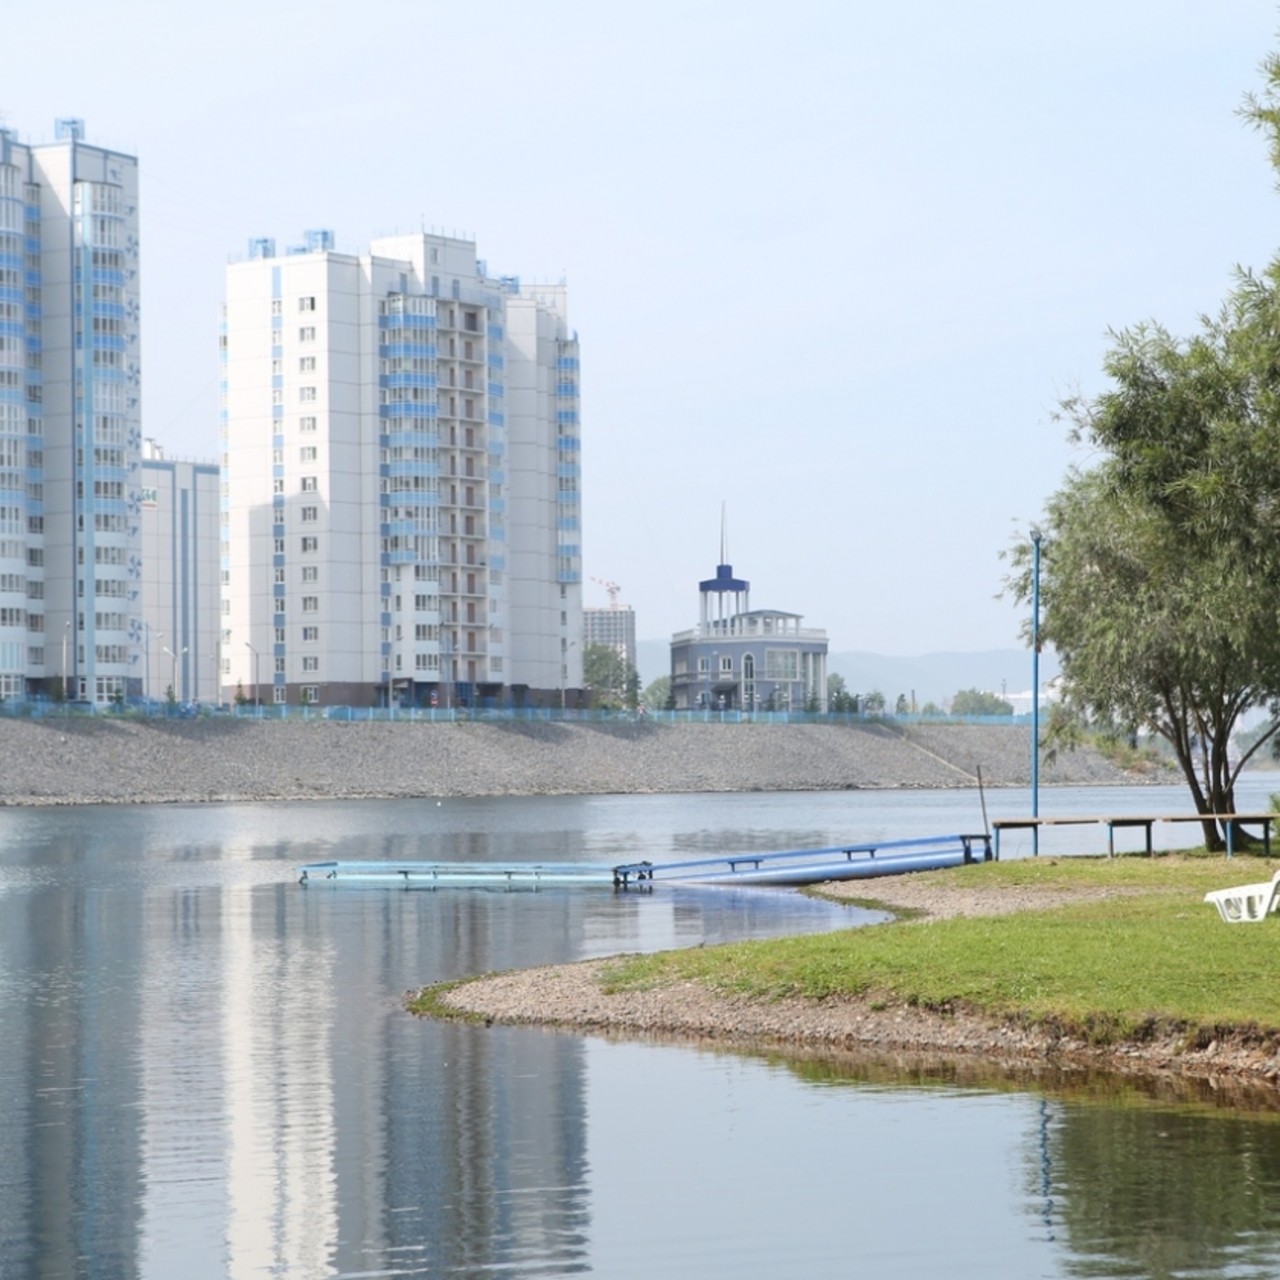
(1035, 691)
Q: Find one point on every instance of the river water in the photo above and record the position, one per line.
(207, 1071)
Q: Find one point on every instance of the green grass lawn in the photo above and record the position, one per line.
(1106, 968)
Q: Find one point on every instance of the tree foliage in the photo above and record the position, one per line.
(1161, 565)
(838, 696)
(613, 681)
(977, 702)
(657, 693)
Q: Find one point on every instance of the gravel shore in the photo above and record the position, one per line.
(101, 760)
(572, 997)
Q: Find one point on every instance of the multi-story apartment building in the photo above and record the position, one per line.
(400, 492)
(180, 527)
(70, 431)
(614, 627)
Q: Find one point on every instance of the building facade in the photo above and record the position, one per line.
(70, 419)
(400, 478)
(180, 595)
(614, 627)
(743, 659)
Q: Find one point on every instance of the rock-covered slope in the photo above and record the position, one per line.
(86, 761)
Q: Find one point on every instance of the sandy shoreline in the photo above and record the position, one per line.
(570, 997)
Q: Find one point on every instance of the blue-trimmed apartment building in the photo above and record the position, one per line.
(743, 659)
(70, 419)
(400, 506)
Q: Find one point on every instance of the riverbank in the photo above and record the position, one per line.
(1073, 963)
(106, 761)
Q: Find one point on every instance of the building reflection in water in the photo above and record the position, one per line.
(220, 1081)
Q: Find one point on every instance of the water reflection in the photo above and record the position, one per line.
(209, 1073)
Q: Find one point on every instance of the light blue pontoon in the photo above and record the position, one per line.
(787, 867)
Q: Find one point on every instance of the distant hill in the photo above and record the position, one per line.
(932, 676)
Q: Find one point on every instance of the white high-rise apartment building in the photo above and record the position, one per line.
(400, 463)
(180, 595)
(70, 429)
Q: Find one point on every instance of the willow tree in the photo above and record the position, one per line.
(1161, 564)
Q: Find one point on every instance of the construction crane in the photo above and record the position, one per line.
(612, 588)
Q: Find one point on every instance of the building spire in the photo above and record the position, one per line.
(724, 534)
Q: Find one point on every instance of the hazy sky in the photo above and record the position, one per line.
(831, 263)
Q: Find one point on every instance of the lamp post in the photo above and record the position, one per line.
(256, 673)
(173, 683)
(564, 671)
(1035, 689)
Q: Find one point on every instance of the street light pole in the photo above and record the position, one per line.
(1035, 689)
(173, 682)
(65, 634)
(564, 672)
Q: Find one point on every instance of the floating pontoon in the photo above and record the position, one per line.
(787, 867)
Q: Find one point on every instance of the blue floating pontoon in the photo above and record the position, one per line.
(812, 866)
(788, 867)
(457, 875)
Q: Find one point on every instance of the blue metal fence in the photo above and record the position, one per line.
(18, 708)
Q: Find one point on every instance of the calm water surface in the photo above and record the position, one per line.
(206, 1071)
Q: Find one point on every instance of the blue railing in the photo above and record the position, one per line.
(41, 708)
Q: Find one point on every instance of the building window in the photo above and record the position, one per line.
(279, 635)
(309, 514)
(306, 393)
(276, 306)
(277, 368)
(310, 573)
(311, 694)
(279, 546)
(306, 424)
(307, 364)
(781, 664)
(704, 666)
(280, 666)
(310, 604)
(279, 694)
(280, 575)
(277, 485)
(307, 333)
(307, 453)
(311, 664)
(306, 304)
(309, 484)
(726, 666)
(310, 635)
(310, 544)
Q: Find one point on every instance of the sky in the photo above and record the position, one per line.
(832, 265)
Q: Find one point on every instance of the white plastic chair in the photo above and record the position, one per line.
(1247, 902)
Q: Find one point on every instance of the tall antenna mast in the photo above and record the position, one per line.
(724, 534)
